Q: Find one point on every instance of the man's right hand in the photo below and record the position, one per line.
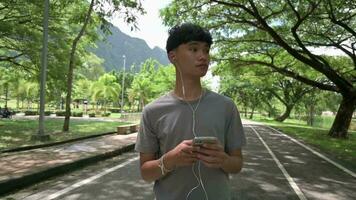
(184, 154)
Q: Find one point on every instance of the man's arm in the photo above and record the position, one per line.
(150, 170)
(183, 154)
(233, 163)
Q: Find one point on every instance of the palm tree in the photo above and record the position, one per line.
(105, 90)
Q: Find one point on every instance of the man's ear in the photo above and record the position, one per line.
(172, 56)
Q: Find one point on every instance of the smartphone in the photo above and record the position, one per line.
(198, 141)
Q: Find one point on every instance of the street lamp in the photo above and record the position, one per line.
(123, 86)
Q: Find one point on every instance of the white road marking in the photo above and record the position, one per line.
(88, 180)
(317, 153)
(281, 167)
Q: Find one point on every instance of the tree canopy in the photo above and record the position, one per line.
(264, 33)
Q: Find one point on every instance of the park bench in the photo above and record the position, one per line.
(127, 129)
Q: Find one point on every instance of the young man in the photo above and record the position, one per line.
(180, 169)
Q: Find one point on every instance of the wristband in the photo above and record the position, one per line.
(164, 170)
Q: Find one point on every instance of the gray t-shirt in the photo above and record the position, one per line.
(168, 121)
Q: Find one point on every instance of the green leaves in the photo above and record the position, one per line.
(269, 33)
(105, 89)
(152, 81)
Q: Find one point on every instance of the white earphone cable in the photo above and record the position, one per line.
(198, 178)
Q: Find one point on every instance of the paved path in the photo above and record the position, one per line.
(18, 169)
(275, 168)
(300, 175)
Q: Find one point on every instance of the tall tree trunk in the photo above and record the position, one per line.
(252, 111)
(286, 113)
(311, 114)
(343, 117)
(6, 93)
(71, 68)
(17, 102)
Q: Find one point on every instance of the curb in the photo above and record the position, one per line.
(25, 148)
(15, 184)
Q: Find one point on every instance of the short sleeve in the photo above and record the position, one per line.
(235, 136)
(146, 141)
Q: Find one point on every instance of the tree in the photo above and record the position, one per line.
(21, 33)
(82, 89)
(18, 30)
(125, 7)
(106, 90)
(8, 78)
(247, 29)
(291, 92)
(256, 87)
(242, 88)
(152, 81)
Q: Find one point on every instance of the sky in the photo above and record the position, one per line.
(151, 27)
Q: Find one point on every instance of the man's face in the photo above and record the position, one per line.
(192, 58)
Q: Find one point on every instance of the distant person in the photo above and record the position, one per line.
(180, 169)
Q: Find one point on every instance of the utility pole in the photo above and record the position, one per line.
(123, 86)
(41, 135)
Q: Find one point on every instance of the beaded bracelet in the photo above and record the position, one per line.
(164, 170)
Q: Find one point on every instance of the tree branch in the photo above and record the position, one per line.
(341, 83)
(339, 22)
(287, 73)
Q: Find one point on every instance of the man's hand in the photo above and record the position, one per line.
(212, 155)
(184, 154)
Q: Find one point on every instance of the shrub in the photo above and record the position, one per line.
(60, 113)
(31, 112)
(92, 114)
(106, 114)
(115, 110)
(47, 113)
(15, 111)
(77, 114)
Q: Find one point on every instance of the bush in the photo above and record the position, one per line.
(92, 114)
(15, 111)
(60, 113)
(106, 114)
(115, 110)
(77, 114)
(31, 112)
(47, 113)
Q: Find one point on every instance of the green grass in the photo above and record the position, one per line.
(343, 150)
(115, 115)
(17, 133)
(323, 121)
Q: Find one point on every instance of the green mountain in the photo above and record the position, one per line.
(136, 51)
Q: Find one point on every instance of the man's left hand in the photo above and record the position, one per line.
(212, 155)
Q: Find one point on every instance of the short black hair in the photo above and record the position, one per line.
(187, 32)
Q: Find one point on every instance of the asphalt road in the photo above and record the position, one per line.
(276, 167)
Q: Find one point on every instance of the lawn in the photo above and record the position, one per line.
(343, 150)
(17, 133)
